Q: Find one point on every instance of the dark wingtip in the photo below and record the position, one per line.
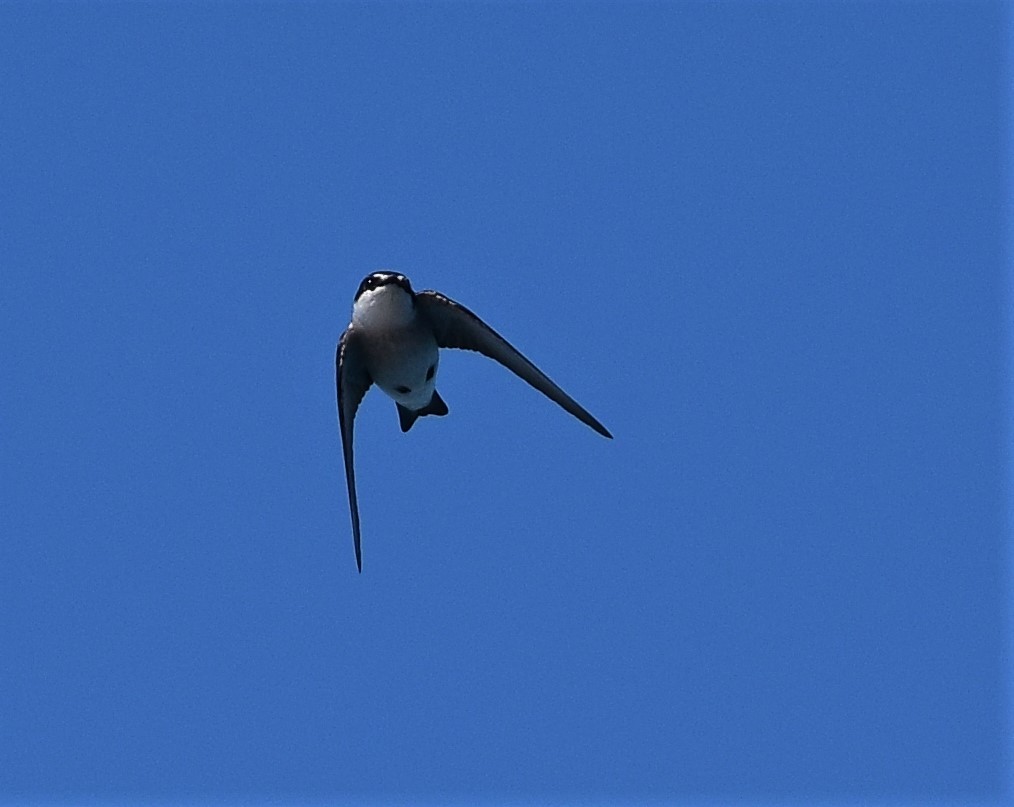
(598, 427)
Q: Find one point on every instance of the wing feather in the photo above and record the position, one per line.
(351, 383)
(457, 327)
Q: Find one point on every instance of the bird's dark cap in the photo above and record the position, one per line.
(378, 279)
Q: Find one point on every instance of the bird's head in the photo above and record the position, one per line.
(378, 280)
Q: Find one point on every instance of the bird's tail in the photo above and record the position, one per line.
(407, 417)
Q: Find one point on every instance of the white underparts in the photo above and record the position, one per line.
(388, 307)
(399, 349)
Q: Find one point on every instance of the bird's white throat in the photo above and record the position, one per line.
(390, 306)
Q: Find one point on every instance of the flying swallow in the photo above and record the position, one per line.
(393, 341)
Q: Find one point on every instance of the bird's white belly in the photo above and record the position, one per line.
(401, 362)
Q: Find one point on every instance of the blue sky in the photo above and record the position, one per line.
(761, 242)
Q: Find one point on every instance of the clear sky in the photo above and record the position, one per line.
(762, 243)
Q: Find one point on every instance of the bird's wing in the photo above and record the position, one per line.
(351, 383)
(457, 327)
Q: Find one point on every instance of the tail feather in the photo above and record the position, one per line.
(407, 417)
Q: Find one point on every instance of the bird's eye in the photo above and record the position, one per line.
(431, 372)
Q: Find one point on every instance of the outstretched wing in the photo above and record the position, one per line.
(351, 383)
(457, 327)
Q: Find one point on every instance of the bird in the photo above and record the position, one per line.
(394, 341)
